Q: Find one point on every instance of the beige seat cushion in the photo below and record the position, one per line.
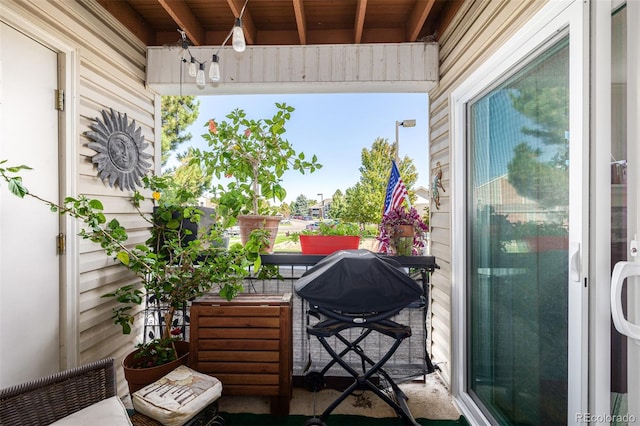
(177, 397)
(108, 412)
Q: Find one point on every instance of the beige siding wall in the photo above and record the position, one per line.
(478, 30)
(109, 73)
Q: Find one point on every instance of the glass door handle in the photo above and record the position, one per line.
(574, 262)
(621, 271)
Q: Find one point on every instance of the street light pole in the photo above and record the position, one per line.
(403, 123)
(322, 208)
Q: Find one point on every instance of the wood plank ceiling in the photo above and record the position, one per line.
(285, 22)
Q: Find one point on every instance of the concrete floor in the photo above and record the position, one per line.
(430, 400)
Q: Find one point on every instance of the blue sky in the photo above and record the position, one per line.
(335, 127)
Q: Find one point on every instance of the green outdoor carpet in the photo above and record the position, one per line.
(242, 419)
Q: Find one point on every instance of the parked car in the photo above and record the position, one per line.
(313, 226)
(234, 231)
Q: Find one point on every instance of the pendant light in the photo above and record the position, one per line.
(200, 80)
(214, 70)
(238, 41)
(193, 70)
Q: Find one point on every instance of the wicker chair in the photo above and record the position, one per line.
(45, 400)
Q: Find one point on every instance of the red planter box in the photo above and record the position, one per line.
(327, 244)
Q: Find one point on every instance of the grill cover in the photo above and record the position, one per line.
(358, 281)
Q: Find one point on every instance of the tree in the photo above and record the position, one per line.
(539, 169)
(364, 201)
(300, 207)
(338, 205)
(361, 206)
(178, 113)
(188, 176)
(284, 210)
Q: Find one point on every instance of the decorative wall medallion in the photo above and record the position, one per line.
(120, 149)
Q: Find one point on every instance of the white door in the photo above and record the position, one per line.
(625, 196)
(29, 264)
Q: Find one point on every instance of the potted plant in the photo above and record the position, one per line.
(172, 266)
(328, 237)
(401, 232)
(252, 155)
(542, 236)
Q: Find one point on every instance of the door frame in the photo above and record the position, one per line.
(600, 206)
(600, 293)
(553, 17)
(68, 139)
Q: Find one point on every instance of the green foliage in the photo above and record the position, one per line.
(544, 182)
(338, 205)
(284, 210)
(253, 156)
(174, 266)
(390, 229)
(154, 353)
(545, 104)
(300, 206)
(14, 181)
(365, 200)
(340, 228)
(188, 176)
(175, 120)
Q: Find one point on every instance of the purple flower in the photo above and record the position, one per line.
(397, 217)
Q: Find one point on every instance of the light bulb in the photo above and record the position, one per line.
(200, 80)
(239, 43)
(192, 67)
(214, 70)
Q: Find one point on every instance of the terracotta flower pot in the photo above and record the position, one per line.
(248, 223)
(327, 244)
(137, 378)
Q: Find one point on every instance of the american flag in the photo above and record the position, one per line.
(396, 191)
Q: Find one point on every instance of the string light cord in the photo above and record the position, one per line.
(196, 67)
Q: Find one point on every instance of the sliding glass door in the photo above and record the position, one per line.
(625, 216)
(518, 205)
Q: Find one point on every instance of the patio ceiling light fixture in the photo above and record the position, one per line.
(196, 68)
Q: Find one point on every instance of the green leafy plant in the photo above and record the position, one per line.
(154, 353)
(252, 155)
(340, 228)
(174, 265)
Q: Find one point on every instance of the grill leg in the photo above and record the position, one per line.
(401, 409)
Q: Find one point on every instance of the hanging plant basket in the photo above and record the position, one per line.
(402, 240)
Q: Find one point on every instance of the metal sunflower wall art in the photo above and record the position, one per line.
(120, 149)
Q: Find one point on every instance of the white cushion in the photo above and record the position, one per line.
(108, 412)
(177, 397)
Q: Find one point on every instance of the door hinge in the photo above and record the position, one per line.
(60, 100)
(61, 243)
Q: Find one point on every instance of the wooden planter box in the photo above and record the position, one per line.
(247, 343)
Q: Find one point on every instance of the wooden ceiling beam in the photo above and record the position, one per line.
(301, 22)
(135, 23)
(185, 19)
(361, 11)
(419, 14)
(250, 32)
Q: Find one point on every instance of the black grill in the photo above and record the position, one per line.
(359, 288)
